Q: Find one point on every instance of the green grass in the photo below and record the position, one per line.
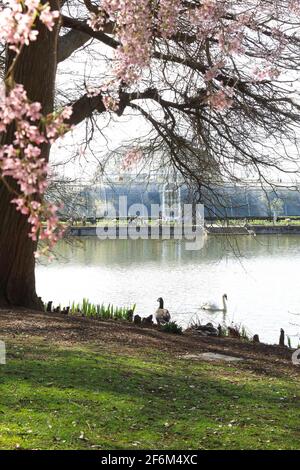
(76, 397)
(102, 312)
(110, 312)
(265, 222)
(172, 328)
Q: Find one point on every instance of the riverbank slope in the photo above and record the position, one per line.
(76, 383)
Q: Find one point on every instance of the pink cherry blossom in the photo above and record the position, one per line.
(48, 17)
(17, 21)
(132, 157)
(221, 99)
(22, 160)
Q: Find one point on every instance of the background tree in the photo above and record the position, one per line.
(216, 81)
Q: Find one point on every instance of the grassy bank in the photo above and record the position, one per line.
(268, 221)
(60, 390)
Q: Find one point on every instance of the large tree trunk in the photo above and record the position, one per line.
(36, 70)
(17, 280)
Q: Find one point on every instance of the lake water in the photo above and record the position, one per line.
(261, 277)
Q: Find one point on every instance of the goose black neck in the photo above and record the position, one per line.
(161, 303)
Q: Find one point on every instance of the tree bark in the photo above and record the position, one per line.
(17, 279)
(36, 70)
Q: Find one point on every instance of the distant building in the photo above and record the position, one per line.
(239, 201)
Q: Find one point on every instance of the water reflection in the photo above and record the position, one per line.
(259, 275)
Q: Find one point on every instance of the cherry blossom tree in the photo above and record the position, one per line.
(215, 80)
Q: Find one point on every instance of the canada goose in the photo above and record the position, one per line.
(137, 320)
(147, 320)
(207, 330)
(162, 315)
(216, 308)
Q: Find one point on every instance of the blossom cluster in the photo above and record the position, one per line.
(139, 24)
(168, 15)
(23, 161)
(136, 27)
(206, 17)
(17, 18)
(132, 157)
(221, 99)
(134, 21)
(294, 6)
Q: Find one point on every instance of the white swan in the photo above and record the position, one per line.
(216, 308)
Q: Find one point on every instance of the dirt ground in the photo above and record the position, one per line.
(64, 330)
